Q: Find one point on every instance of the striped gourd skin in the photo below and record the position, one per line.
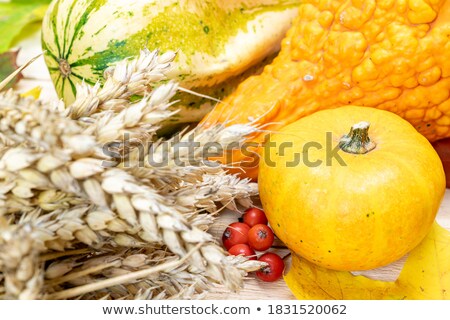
(215, 40)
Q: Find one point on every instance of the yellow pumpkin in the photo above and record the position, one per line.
(347, 195)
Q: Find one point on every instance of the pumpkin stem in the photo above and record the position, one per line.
(357, 141)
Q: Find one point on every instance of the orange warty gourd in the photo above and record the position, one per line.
(389, 54)
(346, 196)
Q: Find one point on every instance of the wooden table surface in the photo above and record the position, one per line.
(37, 75)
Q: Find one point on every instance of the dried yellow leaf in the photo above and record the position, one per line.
(425, 276)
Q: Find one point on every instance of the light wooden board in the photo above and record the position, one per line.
(38, 75)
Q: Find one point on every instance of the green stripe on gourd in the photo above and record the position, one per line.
(215, 40)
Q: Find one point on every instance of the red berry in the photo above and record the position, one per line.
(260, 237)
(274, 269)
(242, 249)
(254, 216)
(235, 233)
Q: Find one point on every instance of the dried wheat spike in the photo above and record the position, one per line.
(213, 188)
(123, 80)
(19, 262)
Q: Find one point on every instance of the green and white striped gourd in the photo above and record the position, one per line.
(216, 41)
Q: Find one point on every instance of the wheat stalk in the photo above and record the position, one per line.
(121, 269)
